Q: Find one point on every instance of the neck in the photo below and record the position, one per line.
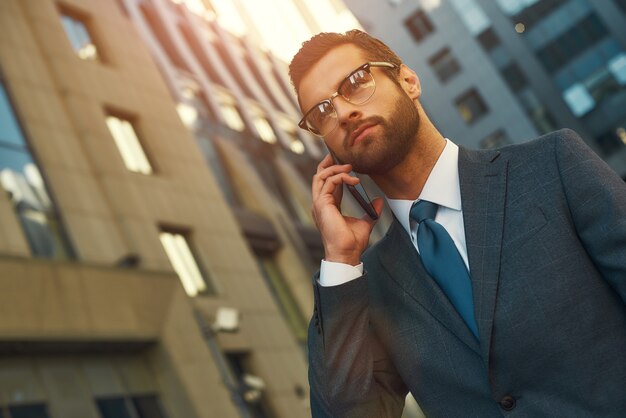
(406, 180)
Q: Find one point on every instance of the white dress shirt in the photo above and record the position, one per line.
(443, 188)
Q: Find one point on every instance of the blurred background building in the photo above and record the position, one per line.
(156, 245)
(505, 71)
(156, 248)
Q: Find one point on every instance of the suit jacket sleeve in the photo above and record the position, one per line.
(349, 372)
(596, 197)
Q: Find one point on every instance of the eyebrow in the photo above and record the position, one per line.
(336, 87)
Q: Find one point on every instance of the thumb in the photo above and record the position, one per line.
(378, 204)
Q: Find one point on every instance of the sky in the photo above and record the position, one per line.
(278, 25)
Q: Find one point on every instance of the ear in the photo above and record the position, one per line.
(410, 82)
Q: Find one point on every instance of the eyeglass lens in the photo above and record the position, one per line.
(356, 89)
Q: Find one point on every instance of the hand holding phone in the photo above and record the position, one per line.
(345, 238)
(358, 192)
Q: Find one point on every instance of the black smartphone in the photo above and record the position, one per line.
(358, 192)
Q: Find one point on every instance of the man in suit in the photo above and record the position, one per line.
(499, 289)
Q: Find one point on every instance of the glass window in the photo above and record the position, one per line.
(601, 85)
(296, 146)
(586, 65)
(444, 65)
(21, 179)
(536, 11)
(282, 295)
(264, 129)
(471, 106)
(612, 141)
(290, 128)
(230, 113)
(188, 114)
(609, 48)
(252, 393)
(578, 99)
(472, 15)
(617, 67)
(79, 37)
(496, 140)
(128, 144)
(564, 79)
(512, 7)
(541, 117)
(216, 163)
(29, 411)
(232, 117)
(10, 133)
(550, 57)
(113, 408)
(184, 262)
(419, 25)
(488, 39)
(514, 77)
(574, 42)
(476, 20)
(148, 406)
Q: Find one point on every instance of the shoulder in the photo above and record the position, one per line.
(547, 141)
(545, 150)
(550, 141)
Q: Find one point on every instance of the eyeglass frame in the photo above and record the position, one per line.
(367, 67)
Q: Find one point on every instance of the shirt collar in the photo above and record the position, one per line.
(442, 186)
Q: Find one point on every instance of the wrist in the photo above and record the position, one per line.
(352, 260)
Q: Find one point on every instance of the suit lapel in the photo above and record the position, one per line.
(483, 176)
(403, 264)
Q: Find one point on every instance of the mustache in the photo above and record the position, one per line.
(353, 126)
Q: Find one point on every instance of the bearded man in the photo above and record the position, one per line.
(499, 289)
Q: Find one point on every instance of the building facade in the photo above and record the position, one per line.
(505, 71)
(152, 199)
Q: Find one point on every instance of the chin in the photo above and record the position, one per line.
(368, 157)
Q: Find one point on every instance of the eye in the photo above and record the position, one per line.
(320, 112)
(324, 107)
(355, 83)
(359, 77)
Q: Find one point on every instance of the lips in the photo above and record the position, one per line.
(360, 132)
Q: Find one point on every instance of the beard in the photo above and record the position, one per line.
(373, 156)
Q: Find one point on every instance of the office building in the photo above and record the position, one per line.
(500, 72)
(142, 274)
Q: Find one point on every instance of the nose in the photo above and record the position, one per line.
(346, 111)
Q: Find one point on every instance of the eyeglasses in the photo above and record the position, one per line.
(357, 88)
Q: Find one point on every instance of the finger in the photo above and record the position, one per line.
(331, 184)
(327, 161)
(322, 176)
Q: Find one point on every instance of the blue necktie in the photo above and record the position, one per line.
(443, 261)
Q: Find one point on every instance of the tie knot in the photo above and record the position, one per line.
(423, 210)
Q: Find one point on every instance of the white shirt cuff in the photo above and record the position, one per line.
(334, 274)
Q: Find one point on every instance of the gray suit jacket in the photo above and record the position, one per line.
(545, 224)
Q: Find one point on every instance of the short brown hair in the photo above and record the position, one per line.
(315, 48)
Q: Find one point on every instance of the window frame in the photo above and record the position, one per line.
(465, 97)
(133, 121)
(60, 232)
(87, 22)
(419, 25)
(444, 64)
(210, 285)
